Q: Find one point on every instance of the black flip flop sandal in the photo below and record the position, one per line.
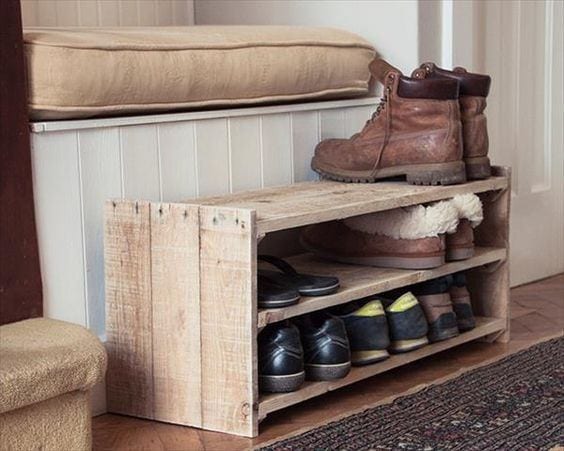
(305, 284)
(271, 294)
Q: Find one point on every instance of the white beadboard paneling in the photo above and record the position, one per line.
(305, 133)
(47, 13)
(148, 13)
(88, 13)
(246, 171)
(177, 161)
(59, 220)
(212, 151)
(100, 176)
(29, 13)
(355, 118)
(108, 13)
(67, 13)
(276, 149)
(164, 12)
(140, 162)
(128, 13)
(332, 124)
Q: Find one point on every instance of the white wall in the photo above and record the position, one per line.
(392, 26)
(106, 13)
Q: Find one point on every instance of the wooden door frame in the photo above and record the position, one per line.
(20, 278)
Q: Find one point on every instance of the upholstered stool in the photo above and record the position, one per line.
(47, 368)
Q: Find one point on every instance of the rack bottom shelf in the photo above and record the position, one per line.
(274, 402)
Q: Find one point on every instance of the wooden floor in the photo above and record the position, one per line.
(537, 311)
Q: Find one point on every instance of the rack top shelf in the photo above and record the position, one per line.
(285, 207)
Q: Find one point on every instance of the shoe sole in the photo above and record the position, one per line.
(459, 253)
(281, 384)
(320, 291)
(279, 304)
(443, 334)
(450, 173)
(466, 324)
(426, 262)
(318, 372)
(360, 358)
(478, 168)
(400, 346)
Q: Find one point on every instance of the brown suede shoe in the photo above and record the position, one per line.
(335, 241)
(474, 89)
(460, 244)
(415, 131)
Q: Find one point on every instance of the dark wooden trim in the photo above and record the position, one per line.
(20, 278)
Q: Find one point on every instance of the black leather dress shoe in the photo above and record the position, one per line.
(327, 354)
(281, 362)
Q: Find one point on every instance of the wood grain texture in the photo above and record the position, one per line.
(271, 403)
(175, 280)
(305, 203)
(489, 286)
(127, 242)
(361, 281)
(228, 320)
(543, 317)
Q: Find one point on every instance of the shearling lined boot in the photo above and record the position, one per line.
(460, 244)
(474, 89)
(415, 132)
(410, 237)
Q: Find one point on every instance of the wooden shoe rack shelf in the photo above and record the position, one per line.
(181, 306)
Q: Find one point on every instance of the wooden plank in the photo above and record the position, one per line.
(305, 203)
(361, 281)
(228, 320)
(274, 402)
(128, 308)
(175, 276)
(489, 286)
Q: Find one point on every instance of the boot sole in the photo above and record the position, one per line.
(450, 173)
(318, 372)
(459, 253)
(281, 384)
(478, 168)
(360, 358)
(399, 346)
(426, 262)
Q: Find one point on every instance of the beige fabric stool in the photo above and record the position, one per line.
(47, 368)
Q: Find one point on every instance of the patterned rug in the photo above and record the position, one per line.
(514, 403)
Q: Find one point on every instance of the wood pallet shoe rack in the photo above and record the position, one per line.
(181, 304)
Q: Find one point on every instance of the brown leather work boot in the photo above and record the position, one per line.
(415, 131)
(474, 89)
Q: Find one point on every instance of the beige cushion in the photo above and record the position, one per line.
(43, 358)
(109, 71)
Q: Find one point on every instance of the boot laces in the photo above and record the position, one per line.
(379, 108)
